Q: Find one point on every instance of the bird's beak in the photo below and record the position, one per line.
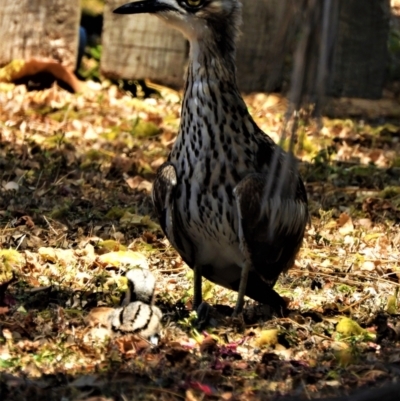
(142, 7)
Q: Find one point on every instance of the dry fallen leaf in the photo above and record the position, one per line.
(18, 69)
(139, 183)
(345, 224)
(131, 344)
(11, 186)
(368, 265)
(64, 257)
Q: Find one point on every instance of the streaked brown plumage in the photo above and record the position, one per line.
(211, 196)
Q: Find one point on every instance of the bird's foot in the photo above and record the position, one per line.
(274, 303)
(237, 313)
(211, 316)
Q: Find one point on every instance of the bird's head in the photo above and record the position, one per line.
(196, 19)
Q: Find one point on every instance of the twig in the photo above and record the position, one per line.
(163, 390)
(20, 241)
(50, 226)
(351, 282)
(355, 303)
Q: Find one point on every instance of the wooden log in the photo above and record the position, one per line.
(142, 46)
(361, 52)
(145, 47)
(39, 29)
(259, 67)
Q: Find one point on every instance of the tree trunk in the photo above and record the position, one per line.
(361, 52)
(142, 46)
(39, 29)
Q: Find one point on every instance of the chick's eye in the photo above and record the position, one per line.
(194, 3)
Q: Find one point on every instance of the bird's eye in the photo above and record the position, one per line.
(194, 3)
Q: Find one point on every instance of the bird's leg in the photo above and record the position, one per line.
(197, 296)
(242, 289)
(244, 275)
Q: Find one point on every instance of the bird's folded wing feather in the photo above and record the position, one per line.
(164, 198)
(163, 191)
(289, 216)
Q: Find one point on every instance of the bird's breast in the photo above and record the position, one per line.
(210, 160)
(206, 208)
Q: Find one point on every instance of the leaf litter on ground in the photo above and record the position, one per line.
(75, 213)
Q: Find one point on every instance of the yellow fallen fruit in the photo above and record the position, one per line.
(10, 261)
(391, 306)
(345, 357)
(349, 328)
(268, 337)
(110, 245)
(126, 258)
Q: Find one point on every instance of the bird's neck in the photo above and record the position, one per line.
(214, 118)
(211, 91)
(211, 60)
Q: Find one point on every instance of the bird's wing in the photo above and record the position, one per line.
(270, 254)
(164, 194)
(163, 190)
(136, 317)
